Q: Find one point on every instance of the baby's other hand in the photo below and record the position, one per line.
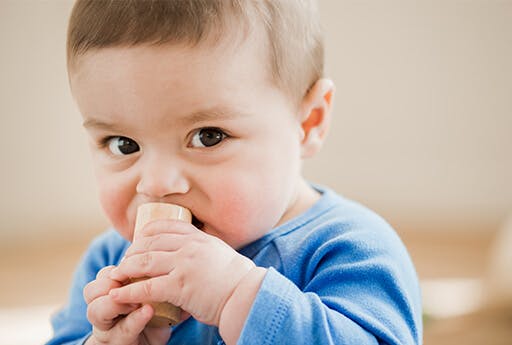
(187, 267)
(118, 323)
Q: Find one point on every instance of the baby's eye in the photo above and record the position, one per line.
(206, 137)
(120, 146)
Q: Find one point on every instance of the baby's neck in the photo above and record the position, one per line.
(305, 197)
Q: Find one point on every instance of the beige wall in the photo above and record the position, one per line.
(422, 130)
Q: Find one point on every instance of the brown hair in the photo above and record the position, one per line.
(292, 27)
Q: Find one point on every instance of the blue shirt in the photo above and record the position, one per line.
(337, 274)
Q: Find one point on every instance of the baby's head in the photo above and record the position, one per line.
(293, 42)
(208, 104)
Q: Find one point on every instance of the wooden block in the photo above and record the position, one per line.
(166, 314)
(155, 210)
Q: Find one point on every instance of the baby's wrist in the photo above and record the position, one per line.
(236, 309)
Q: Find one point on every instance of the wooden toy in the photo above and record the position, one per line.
(166, 314)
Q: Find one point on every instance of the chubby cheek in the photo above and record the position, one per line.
(116, 200)
(250, 201)
(242, 212)
(235, 219)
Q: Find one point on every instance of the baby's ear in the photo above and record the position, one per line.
(316, 116)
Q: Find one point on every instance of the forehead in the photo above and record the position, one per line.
(172, 78)
(227, 61)
(217, 51)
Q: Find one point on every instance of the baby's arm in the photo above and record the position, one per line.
(349, 290)
(237, 307)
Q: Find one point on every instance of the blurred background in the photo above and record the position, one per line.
(422, 133)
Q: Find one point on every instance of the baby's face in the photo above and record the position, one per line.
(203, 128)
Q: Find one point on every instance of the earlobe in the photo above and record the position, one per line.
(316, 110)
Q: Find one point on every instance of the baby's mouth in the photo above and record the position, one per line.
(197, 223)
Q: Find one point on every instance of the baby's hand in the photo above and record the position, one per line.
(188, 268)
(118, 323)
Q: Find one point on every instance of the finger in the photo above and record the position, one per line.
(103, 312)
(159, 242)
(169, 226)
(98, 288)
(128, 329)
(104, 272)
(150, 264)
(158, 289)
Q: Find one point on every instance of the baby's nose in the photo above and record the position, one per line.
(160, 179)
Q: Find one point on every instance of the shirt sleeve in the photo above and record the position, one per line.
(351, 295)
(70, 324)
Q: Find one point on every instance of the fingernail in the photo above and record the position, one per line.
(113, 273)
(146, 310)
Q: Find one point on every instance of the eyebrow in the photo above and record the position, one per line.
(98, 124)
(205, 115)
(211, 114)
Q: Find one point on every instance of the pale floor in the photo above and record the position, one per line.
(35, 280)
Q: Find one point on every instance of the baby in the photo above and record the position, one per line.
(213, 105)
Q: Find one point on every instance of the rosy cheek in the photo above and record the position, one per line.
(115, 205)
(232, 199)
(237, 212)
